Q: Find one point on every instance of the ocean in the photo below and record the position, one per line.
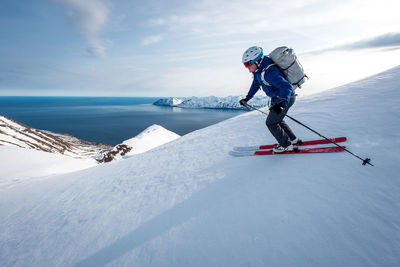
(107, 120)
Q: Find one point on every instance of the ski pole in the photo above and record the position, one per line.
(365, 161)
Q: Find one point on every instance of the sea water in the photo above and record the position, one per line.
(107, 120)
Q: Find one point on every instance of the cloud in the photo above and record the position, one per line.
(89, 17)
(312, 23)
(385, 40)
(388, 40)
(202, 18)
(152, 40)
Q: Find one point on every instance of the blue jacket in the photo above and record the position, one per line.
(280, 90)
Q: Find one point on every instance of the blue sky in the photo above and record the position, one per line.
(186, 48)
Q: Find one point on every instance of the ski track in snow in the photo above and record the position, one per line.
(188, 203)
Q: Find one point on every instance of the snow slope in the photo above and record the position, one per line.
(22, 164)
(189, 203)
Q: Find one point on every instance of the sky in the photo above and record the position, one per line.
(186, 48)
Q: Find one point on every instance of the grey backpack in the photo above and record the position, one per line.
(286, 60)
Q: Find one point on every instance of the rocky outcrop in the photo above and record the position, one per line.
(118, 151)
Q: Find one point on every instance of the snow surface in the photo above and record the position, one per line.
(189, 203)
(22, 164)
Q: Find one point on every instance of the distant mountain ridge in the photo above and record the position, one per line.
(13, 133)
(211, 102)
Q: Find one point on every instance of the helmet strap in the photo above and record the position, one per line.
(258, 62)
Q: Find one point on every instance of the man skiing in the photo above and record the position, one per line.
(273, 82)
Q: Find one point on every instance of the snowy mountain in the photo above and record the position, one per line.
(230, 102)
(16, 134)
(150, 138)
(189, 203)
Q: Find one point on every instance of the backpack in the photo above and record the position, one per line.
(286, 60)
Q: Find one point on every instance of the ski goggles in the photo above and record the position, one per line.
(247, 64)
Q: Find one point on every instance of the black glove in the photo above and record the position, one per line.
(243, 101)
(278, 108)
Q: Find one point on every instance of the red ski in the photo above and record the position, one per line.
(298, 151)
(304, 143)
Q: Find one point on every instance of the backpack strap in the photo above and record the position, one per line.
(263, 73)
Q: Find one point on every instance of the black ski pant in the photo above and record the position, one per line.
(278, 127)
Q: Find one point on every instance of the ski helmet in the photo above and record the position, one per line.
(252, 55)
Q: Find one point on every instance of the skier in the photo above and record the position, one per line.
(281, 92)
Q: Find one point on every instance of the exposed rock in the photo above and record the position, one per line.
(118, 150)
(13, 133)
